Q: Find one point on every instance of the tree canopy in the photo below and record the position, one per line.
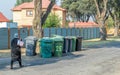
(18, 2)
(79, 10)
(52, 21)
(115, 14)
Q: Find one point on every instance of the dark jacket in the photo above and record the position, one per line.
(15, 49)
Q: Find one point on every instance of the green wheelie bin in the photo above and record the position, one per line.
(58, 46)
(73, 43)
(46, 47)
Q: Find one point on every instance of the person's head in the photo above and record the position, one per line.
(16, 35)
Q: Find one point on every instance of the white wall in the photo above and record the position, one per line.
(3, 24)
(8, 25)
(17, 17)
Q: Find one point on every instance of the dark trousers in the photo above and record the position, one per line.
(14, 60)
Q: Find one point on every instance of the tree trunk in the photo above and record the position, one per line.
(37, 26)
(44, 17)
(116, 29)
(103, 31)
(39, 19)
(101, 17)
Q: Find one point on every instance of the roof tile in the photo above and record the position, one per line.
(83, 24)
(3, 18)
(45, 4)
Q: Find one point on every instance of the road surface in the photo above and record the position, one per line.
(101, 60)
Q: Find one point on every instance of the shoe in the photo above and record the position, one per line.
(21, 66)
(11, 68)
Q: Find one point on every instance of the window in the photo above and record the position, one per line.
(29, 13)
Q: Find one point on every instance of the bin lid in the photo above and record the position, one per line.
(46, 39)
(69, 37)
(31, 38)
(79, 37)
(73, 37)
(57, 39)
(56, 36)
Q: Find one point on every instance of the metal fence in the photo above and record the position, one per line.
(6, 34)
(86, 33)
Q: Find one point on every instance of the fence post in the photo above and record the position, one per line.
(75, 31)
(70, 31)
(49, 32)
(8, 38)
(66, 32)
(28, 30)
(60, 31)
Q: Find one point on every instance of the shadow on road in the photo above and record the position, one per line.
(36, 60)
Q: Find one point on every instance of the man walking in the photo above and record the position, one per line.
(15, 50)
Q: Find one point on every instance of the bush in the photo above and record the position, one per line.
(52, 21)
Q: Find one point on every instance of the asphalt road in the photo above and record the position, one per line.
(102, 60)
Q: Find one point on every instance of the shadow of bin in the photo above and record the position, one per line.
(31, 45)
(78, 43)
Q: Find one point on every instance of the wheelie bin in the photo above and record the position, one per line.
(78, 43)
(46, 47)
(67, 45)
(31, 45)
(73, 43)
(58, 46)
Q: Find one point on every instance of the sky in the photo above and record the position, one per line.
(7, 5)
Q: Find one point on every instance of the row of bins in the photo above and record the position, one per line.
(51, 47)
(54, 46)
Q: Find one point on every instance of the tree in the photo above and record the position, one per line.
(37, 27)
(45, 15)
(115, 14)
(79, 10)
(18, 2)
(110, 23)
(83, 9)
(101, 16)
(52, 21)
(39, 19)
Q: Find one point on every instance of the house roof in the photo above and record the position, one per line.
(3, 18)
(83, 24)
(30, 5)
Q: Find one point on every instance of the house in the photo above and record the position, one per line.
(82, 24)
(24, 14)
(3, 20)
(5, 23)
